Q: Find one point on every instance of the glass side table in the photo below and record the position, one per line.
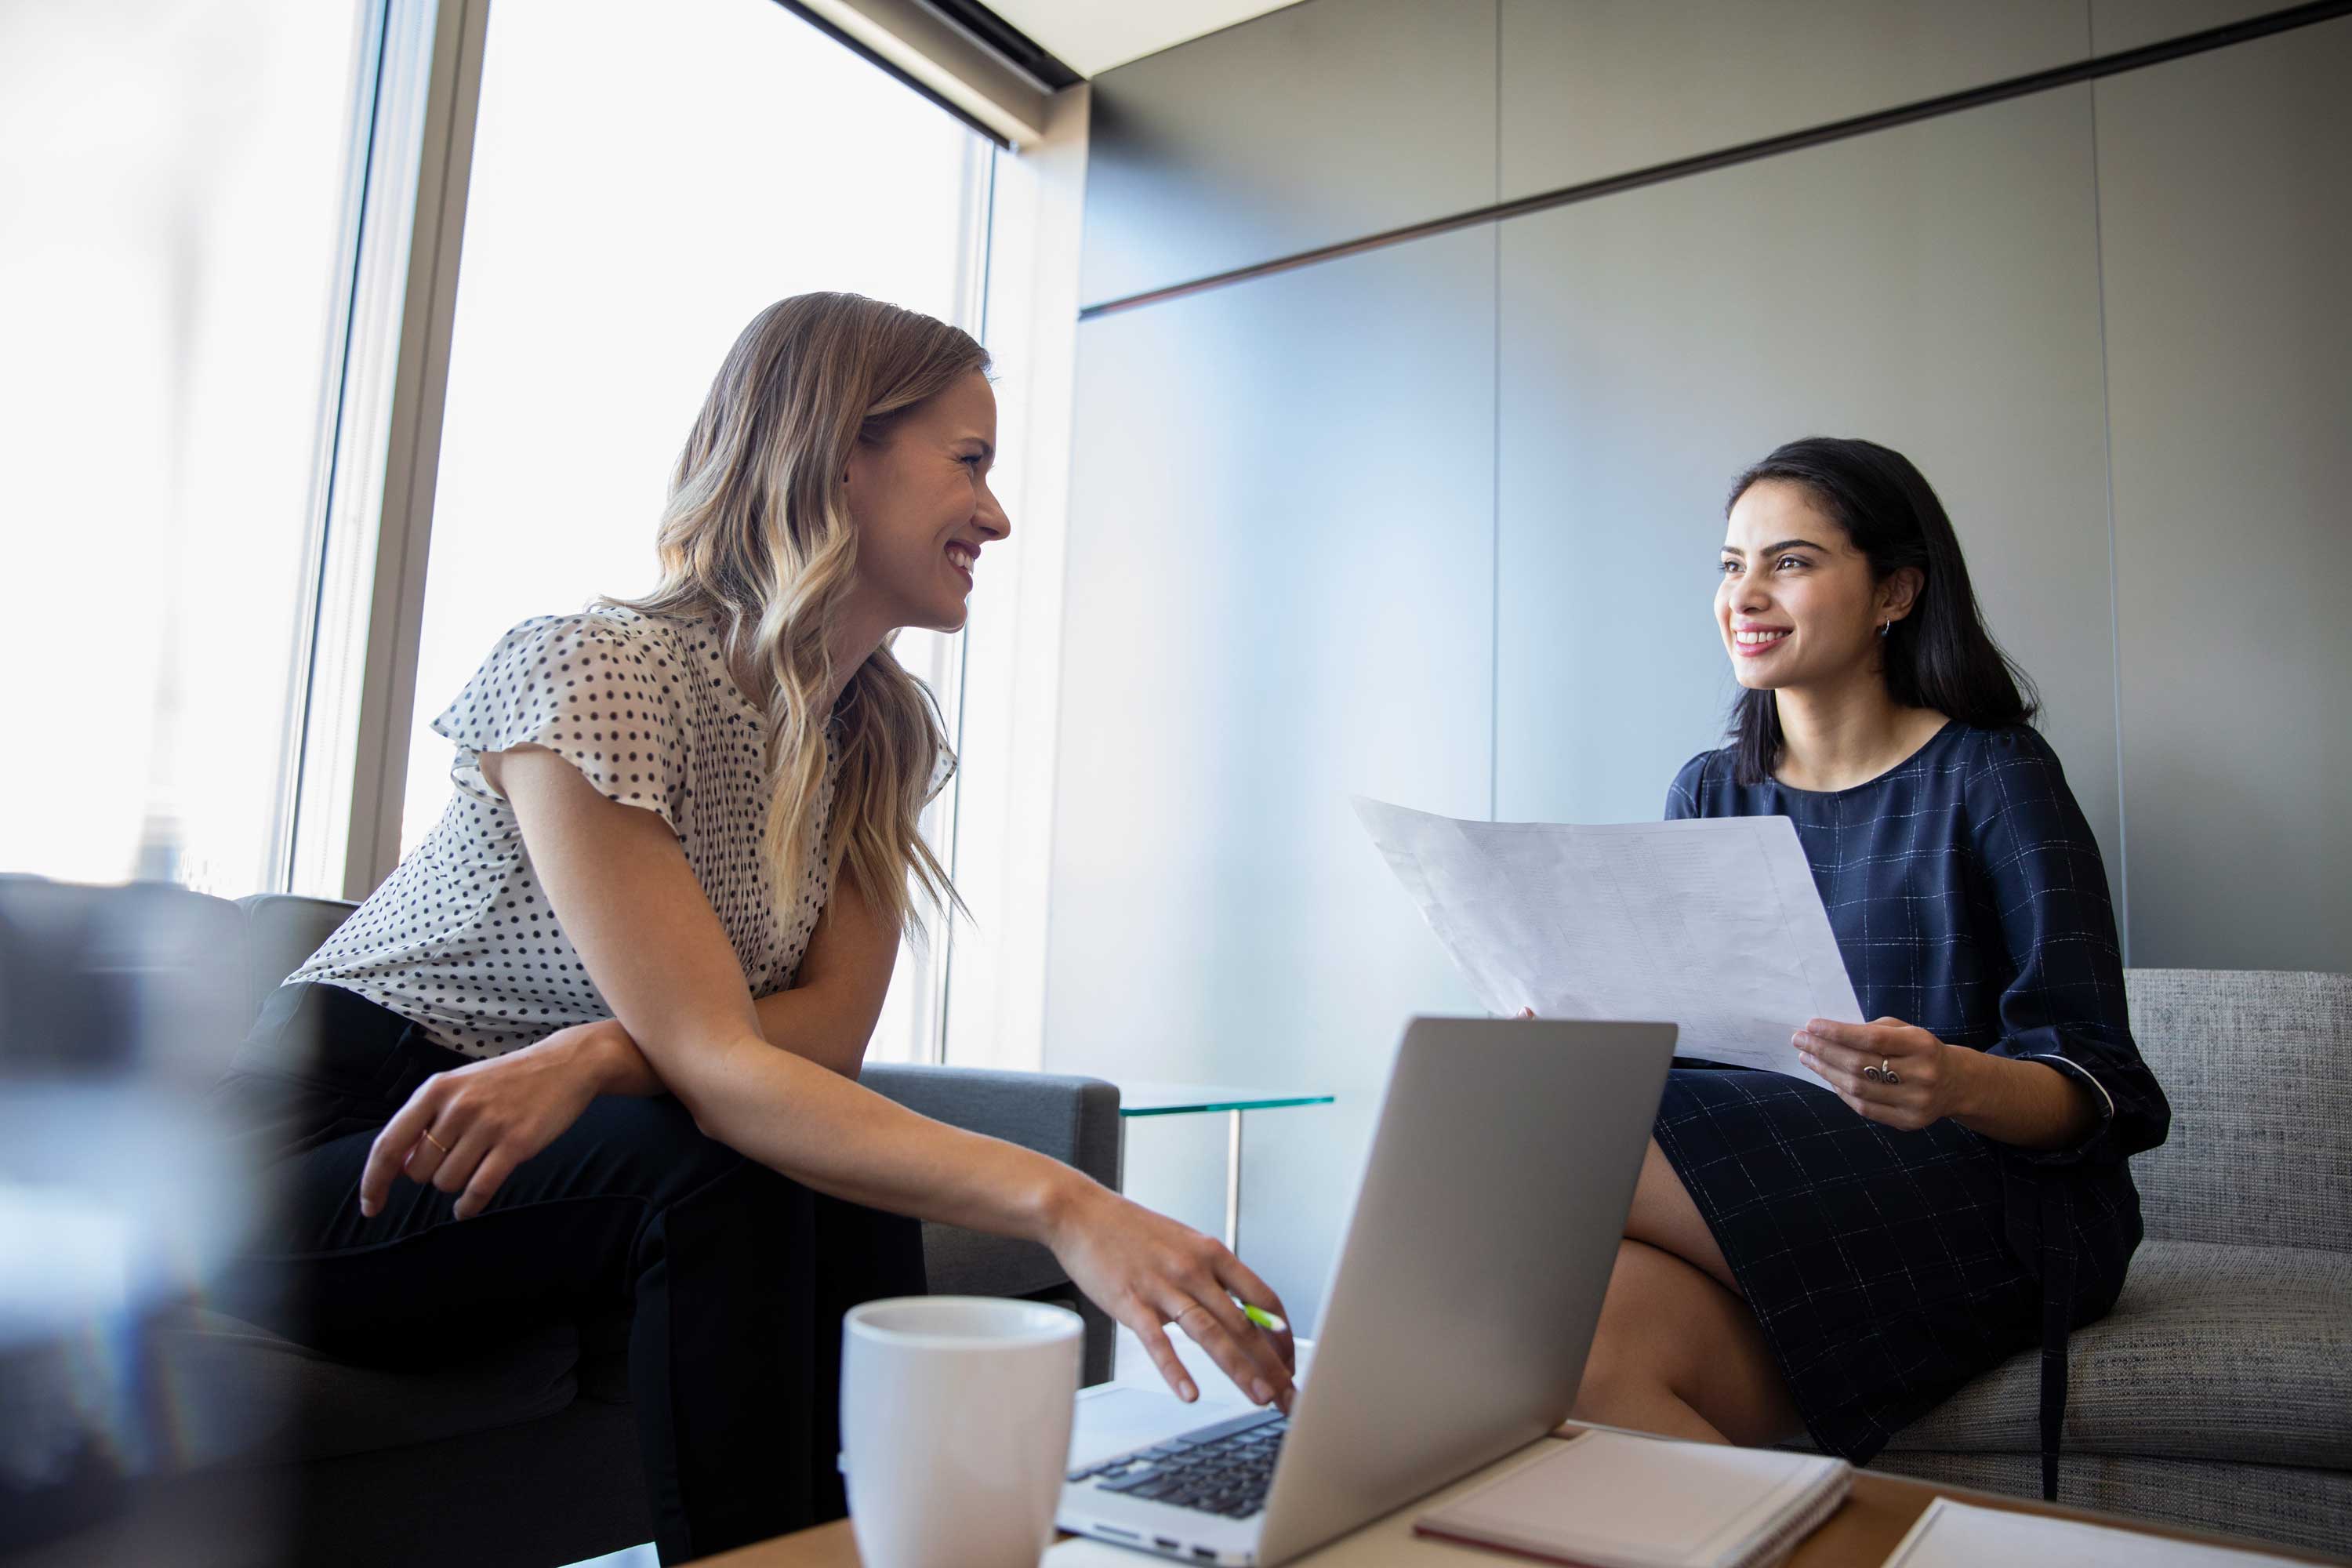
(1192, 1098)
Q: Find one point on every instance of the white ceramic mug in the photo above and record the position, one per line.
(955, 1429)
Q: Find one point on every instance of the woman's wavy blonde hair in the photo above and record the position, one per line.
(757, 531)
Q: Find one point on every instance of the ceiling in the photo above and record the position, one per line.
(1092, 35)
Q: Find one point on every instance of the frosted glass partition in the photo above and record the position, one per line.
(1603, 86)
(1384, 112)
(2117, 25)
(1281, 587)
(2225, 199)
(1935, 287)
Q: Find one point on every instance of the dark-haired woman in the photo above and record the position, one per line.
(1835, 1254)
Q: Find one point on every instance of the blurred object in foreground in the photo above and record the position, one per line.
(124, 1436)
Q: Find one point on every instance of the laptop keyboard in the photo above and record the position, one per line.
(1225, 1468)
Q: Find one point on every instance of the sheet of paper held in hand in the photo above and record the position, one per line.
(1713, 925)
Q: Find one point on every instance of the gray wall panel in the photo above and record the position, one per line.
(2225, 194)
(1934, 288)
(2118, 25)
(1322, 122)
(1281, 593)
(1592, 88)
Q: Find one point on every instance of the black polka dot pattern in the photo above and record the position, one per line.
(460, 939)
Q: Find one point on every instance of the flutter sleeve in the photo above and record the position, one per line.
(595, 692)
(943, 767)
(2047, 889)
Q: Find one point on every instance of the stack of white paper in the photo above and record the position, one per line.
(1957, 1535)
(1712, 925)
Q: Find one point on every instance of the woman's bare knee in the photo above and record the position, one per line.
(1630, 1368)
(1671, 1340)
(1664, 1216)
(1630, 1344)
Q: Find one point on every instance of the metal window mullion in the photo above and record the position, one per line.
(334, 374)
(975, 235)
(388, 439)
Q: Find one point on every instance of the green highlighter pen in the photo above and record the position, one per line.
(1263, 1319)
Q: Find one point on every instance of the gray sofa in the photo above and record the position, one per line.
(2219, 1392)
(526, 1456)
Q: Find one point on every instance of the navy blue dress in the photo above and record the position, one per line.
(1888, 1267)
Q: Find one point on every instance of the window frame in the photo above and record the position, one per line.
(382, 448)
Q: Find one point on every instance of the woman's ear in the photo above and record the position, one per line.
(1900, 593)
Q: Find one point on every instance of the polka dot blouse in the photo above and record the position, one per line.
(460, 939)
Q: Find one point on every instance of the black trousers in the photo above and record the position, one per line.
(738, 1275)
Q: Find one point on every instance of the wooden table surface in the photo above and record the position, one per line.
(1877, 1515)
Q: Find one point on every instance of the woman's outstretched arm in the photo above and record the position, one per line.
(620, 888)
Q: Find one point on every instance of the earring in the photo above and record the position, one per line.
(1885, 627)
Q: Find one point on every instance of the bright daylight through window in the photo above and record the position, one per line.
(171, 214)
(644, 179)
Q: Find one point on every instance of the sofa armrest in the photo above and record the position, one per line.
(1073, 1120)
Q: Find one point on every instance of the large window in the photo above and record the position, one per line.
(201, 207)
(646, 178)
(172, 220)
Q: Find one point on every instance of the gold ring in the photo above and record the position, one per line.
(435, 1141)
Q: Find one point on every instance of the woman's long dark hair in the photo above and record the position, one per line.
(1939, 656)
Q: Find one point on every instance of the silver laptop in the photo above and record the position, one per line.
(1462, 1302)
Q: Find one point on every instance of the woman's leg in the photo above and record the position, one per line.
(737, 1276)
(1665, 1217)
(1678, 1354)
(1677, 1351)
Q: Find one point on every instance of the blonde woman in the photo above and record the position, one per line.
(598, 1037)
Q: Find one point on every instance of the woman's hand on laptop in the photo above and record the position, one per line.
(1148, 1271)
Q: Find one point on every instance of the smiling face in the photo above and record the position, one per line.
(922, 508)
(1797, 603)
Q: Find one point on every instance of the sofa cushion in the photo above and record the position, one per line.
(2212, 1352)
(2266, 1503)
(242, 1394)
(2261, 1148)
(282, 931)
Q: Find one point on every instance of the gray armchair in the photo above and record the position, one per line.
(2217, 1394)
(527, 1455)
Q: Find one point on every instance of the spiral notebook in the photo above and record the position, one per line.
(1612, 1499)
